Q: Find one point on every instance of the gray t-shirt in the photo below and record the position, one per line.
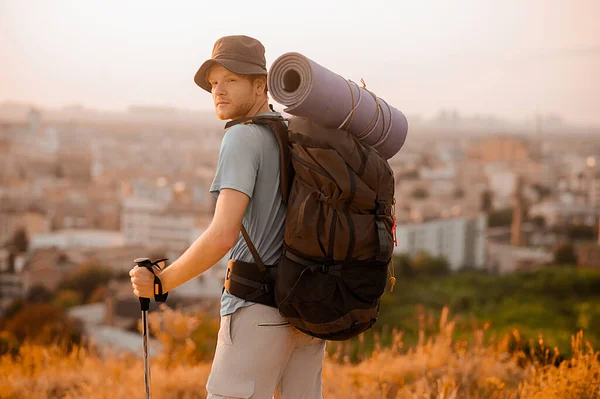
(249, 163)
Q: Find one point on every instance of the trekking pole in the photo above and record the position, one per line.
(145, 305)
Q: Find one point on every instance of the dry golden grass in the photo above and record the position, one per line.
(437, 367)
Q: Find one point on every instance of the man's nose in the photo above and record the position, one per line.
(219, 89)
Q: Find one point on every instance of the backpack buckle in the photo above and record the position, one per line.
(380, 209)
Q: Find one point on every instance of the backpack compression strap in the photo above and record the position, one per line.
(384, 246)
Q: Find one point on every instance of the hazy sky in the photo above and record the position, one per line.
(510, 58)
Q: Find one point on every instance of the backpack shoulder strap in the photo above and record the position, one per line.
(280, 130)
(238, 121)
(286, 172)
(253, 251)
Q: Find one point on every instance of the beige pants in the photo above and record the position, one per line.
(260, 356)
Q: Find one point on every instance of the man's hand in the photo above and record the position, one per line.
(142, 281)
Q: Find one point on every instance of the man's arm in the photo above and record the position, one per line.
(213, 244)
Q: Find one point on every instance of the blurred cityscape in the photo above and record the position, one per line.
(80, 187)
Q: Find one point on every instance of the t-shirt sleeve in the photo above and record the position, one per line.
(239, 159)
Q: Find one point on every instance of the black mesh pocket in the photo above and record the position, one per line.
(297, 283)
(366, 281)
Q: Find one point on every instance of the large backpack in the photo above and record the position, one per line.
(339, 232)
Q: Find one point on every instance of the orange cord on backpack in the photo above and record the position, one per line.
(394, 231)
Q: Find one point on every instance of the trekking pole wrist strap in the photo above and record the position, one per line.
(159, 295)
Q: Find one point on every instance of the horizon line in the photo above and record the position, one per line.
(533, 117)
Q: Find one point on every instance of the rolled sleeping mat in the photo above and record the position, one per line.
(310, 90)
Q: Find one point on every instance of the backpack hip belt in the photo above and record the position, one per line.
(246, 281)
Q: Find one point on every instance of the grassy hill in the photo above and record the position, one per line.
(549, 303)
(439, 366)
(461, 335)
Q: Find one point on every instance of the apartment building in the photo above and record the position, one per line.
(461, 240)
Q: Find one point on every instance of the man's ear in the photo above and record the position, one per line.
(260, 84)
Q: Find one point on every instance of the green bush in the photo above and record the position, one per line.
(500, 218)
(552, 301)
(581, 232)
(403, 267)
(539, 221)
(43, 323)
(8, 344)
(565, 255)
(20, 241)
(420, 193)
(430, 265)
(86, 279)
(68, 298)
(39, 294)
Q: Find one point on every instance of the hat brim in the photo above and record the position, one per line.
(235, 66)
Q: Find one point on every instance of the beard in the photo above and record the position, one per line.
(233, 110)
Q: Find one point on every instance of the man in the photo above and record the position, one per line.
(258, 352)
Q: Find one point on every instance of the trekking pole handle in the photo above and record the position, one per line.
(147, 263)
(159, 295)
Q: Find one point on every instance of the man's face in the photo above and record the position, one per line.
(233, 95)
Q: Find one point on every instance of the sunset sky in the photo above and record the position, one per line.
(511, 58)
